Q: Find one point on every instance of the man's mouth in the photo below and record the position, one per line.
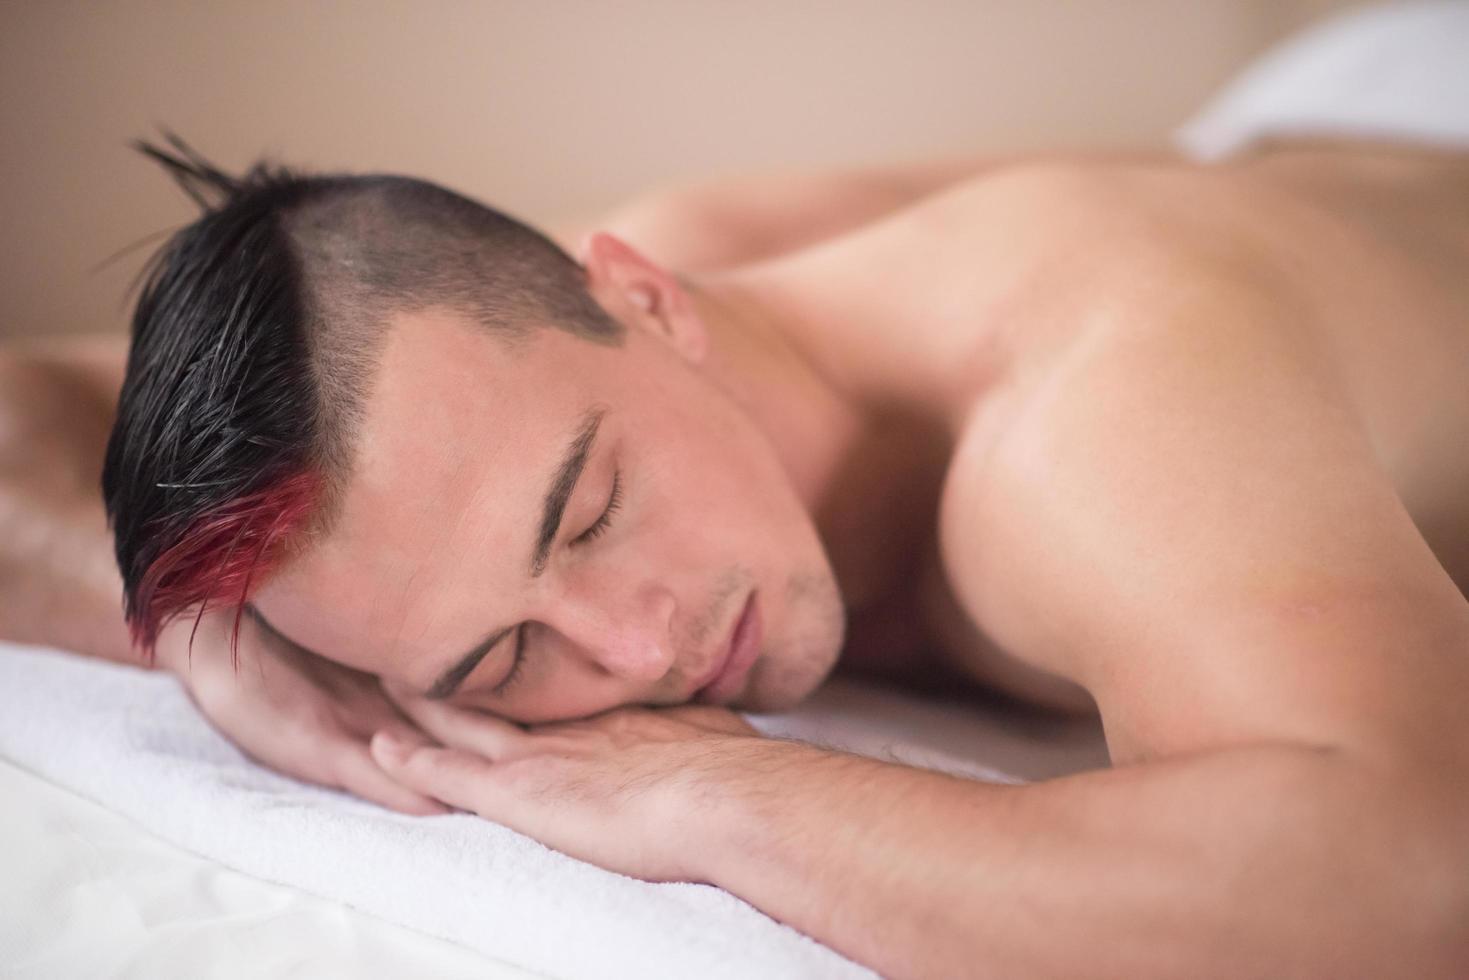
(726, 678)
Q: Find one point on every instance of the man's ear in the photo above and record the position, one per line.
(641, 294)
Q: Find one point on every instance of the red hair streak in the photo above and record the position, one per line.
(218, 558)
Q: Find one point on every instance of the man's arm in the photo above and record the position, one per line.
(1267, 861)
(1264, 860)
(725, 222)
(58, 581)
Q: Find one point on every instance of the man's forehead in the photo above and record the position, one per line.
(443, 414)
(438, 356)
(457, 437)
(446, 388)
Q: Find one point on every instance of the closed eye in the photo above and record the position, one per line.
(599, 527)
(614, 501)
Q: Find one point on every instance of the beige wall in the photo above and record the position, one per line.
(552, 108)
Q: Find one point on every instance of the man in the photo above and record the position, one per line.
(1179, 444)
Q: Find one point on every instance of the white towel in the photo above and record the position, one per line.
(133, 741)
(1397, 71)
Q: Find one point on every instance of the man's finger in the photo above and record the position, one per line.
(456, 777)
(460, 728)
(359, 774)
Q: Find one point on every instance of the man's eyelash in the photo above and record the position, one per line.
(602, 523)
(515, 663)
(613, 503)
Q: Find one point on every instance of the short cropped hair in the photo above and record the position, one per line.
(255, 334)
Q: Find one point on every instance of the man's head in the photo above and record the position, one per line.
(399, 424)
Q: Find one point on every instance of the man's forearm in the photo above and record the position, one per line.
(1268, 861)
(59, 585)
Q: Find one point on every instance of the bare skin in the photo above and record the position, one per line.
(1179, 444)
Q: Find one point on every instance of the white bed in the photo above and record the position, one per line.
(90, 892)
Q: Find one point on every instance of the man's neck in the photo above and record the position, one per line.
(867, 468)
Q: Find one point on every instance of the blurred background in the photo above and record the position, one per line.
(553, 109)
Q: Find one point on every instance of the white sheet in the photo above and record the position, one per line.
(133, 741)
(85, 892)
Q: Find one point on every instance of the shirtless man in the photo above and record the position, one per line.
(1180, 444)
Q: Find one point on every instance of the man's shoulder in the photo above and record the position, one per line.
(1126, 381)
(1078, 199)
(1106, 271)
(1067, 245)
(1185, 495)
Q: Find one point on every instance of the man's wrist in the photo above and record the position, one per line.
(727, 804)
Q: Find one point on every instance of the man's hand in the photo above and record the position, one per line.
(294, 712)
(605, 789)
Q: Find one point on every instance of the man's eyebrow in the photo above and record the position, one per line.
(573, 461)
(558, 493)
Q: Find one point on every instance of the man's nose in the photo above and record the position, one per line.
(629, 633)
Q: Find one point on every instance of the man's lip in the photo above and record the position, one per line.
(716, 673)
(718, 666)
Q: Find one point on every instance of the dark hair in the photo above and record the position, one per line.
(255, 333)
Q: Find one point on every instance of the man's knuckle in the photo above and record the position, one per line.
(431, 761)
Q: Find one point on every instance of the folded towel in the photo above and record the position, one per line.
(1397, 71)
(133, 741)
